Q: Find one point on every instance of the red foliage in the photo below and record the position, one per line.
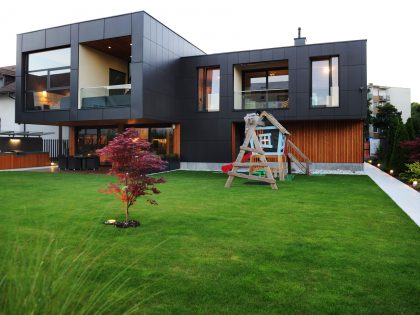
(131, 162)
(413, 146)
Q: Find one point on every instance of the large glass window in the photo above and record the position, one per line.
(91, 139)
(208, 89)
(265, 89)
(48, 80)
(325, 90)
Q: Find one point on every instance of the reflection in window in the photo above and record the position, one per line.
(91, 139)
(325, 90)
(265, 89)
(208, 89)
(48, 80)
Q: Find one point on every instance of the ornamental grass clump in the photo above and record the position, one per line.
(132, 161)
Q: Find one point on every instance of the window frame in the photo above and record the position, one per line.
(204, 86)
(48, 84)
(324, 58)
(266, 70)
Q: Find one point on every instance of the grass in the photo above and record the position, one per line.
(318, 245)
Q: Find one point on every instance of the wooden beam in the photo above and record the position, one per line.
(307, 160)
(262, 164)
(299, 164)
(252, 150)
(253, 177)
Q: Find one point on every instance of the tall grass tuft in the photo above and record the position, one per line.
(40, 276)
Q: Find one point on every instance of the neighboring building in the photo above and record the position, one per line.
(7, 113)
(399, 97)
(101, 76)
(7, 109)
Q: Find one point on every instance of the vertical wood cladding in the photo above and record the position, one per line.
(339, 141)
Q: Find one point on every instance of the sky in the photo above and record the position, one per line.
(391, 27)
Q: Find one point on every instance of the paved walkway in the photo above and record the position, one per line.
(404, 196)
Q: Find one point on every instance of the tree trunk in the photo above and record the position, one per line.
(126, 213)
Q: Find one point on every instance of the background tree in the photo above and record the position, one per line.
(131, 162)
(409, 126)
(368, 120)
(413, 148)
(415, 116)
(385, 117)
(387, 120)
(399, 155)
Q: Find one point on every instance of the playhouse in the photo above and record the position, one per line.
(266, 150)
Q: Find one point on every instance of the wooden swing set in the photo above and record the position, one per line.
(260, 136)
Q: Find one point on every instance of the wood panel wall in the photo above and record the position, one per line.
(332, 141)
(177, 140)
(72, 141)
(335, 141)
(11, 161)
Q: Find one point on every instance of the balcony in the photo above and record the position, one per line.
(262, 99)
(105, 96)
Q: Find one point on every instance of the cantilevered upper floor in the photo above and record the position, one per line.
(133, 68)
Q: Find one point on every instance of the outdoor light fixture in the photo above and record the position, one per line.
(109, 47)
(370, 161)
(379, 164)
(44, 93)
(14, 141)
(52, 164)
(173, 126)
(131, 44)
(415, 183)
(391, 172)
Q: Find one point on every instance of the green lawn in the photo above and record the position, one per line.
(318, 245)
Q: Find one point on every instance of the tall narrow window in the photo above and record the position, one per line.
(325, 90)
(48, 80)
(208, 89)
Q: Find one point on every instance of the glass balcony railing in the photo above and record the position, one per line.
(261, 99)
(105, 96)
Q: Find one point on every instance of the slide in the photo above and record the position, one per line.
(228, 167)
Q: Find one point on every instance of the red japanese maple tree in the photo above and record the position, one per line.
(131, 162)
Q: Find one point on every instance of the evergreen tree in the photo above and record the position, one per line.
(399, 155)
(385, 117)
(389, 140)
(409, 125)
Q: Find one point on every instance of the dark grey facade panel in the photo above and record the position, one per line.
(117, 26)
(58, 36)
(55, 116)
(137, 29)
(74, 94)
(33, 41)
(137, 85)
(18, 100)
(116, 113)
(90, 114)
(92, 30)
(74, 33)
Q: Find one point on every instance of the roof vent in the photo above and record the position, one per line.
(300, 41)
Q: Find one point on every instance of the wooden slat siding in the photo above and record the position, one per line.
(177, 140)
(72, 141)
(21, 161)
(328, 141)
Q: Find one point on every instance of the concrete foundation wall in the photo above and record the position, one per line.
(316, 167)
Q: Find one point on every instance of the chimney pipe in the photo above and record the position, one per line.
(300, 41)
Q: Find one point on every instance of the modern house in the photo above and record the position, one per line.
(99, 77)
